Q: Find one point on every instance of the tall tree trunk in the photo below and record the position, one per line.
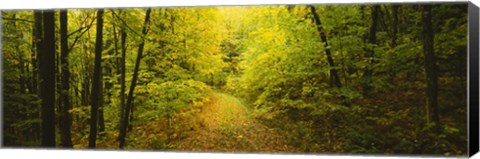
(47, 79)
(101, 119)
(395, 7)
(96, 81)
(321, 31)
(65, 122)
(120, 65)
(86, 88)
(122, 76)
(123, 130)
(372, 40)
(395, 25)
(38, 37)
(430, 67)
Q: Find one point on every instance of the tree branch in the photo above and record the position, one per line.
(129, 28)
(16, 19)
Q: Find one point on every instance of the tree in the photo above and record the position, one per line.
(302, 70)
(321, 31)
(65, 122)
(121, 62)
(372, 40)
(430, 67)
(124, 124)
(37, 38)
(395, 25)
(47, 79)
(123, 70)
(96, 81)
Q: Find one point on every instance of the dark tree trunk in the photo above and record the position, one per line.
(430, 67)
(372, 40)
(47, 79)
(101, 119)
(392, 73)
(321, 31)
(130, 118)
(65, 122)
(86, 89)
(38, 37)
(395, 25)
(96, 81)
(123, 130)
(122, 76)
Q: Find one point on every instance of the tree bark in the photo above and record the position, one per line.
(38, 37)
(395, 25)
(123, 130)
(323, 37)
(430, 67)
(101, 119)
(96, 81)
(123, 40)
(47, 79)
(372, 39)
(65, 123)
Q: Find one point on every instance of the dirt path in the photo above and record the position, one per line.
(225, 125)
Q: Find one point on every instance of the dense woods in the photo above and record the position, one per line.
(386, 79)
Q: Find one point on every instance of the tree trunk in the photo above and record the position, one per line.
(120, 66)
(393, 73)
(38, 37)
(47, 80)
(122, 76)
(101, 119)
(321, 31)
(395, 25)
(123, 130)
(96, 81)
(65, 108)
(430, 67)
(372, 40)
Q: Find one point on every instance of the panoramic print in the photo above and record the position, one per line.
(387, 79)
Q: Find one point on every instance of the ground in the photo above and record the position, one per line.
(226, 125)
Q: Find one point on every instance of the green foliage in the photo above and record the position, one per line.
(270, 56)
(165, 99)
(286, 76)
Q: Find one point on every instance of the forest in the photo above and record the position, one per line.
(355, 79)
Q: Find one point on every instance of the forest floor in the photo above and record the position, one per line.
(226, 125)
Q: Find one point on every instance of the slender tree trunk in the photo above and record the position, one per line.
(394, 38)
(101, 119)
(122, 76)
(47, 80)
(124, 125)
(130, 118)
(38, 49)
(430, 67)
(65, 108)
(96, 81)
(321, 31)
(120, 66)
(372, 39)
(395, 25)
